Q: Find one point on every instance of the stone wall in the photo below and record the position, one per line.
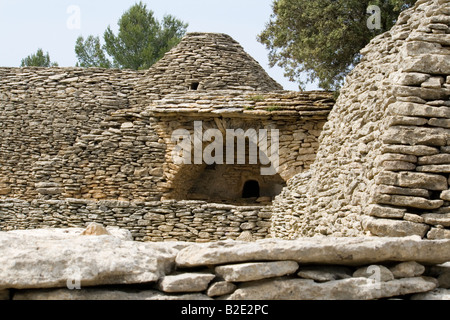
(191, 221)
(298, 117)
(74, 149)
(77, 264)
(58, 139)
(383, 163)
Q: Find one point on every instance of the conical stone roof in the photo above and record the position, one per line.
(205, 62)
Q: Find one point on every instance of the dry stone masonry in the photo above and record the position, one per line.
(384, 158)
(95, 145)
(362, 198)
(108, 265)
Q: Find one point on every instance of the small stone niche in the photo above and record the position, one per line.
(251, 189)
(233, 184)
(194, 86)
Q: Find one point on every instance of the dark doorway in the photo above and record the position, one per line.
(251, 189)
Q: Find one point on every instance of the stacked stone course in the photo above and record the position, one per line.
(77, 264)
(192, 221)
(383, 163)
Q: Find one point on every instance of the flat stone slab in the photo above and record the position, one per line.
(38, 262)
(186, 282)
(394, 228)
(346, 289)
(407, 270)
(221, 288)
(101, 294)
(256, 271)
(325, 273)
(320, 250)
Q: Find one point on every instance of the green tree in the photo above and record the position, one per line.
(90, 53)
(322, 38)
(141, 41)
(38, 59)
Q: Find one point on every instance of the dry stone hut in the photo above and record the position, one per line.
(95, 145)
(383, 164)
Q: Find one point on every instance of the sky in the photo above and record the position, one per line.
(54, 26)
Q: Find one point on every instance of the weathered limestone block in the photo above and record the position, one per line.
(95, 229)
(422, 93)
(398, 157)
(443, 168)
(413, 180)
(375, 272)
(407, 121)
(443, 123)
(437, 219)
(181, 297)
(427, 63)
(393, 228)
(419, 47)
(443, 158)
(385, 212)
(186, 282)
(246, 236)
(412, 78)
(256, 271)
(325, 273)
(433, 82)
(418, 110)
(41, 263)
(383, 189)
(83, 294)
(413, 218)
(329, 250)
(411, 150)
(101, 294)
(416, 136)
(221, 288)
(445, 195)
(437, 234)
(407, 270)
(405, 201)
(398, 166)
(346, 289)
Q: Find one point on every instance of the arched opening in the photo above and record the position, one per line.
(251, 189)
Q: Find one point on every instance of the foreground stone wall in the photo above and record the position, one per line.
(192, 221)
(384, 153)
(98, 263)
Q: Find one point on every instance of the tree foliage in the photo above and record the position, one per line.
(38, 59)
(90, 53)
(141, 41)
(322, 38)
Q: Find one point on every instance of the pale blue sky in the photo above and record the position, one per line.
(27, 25)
